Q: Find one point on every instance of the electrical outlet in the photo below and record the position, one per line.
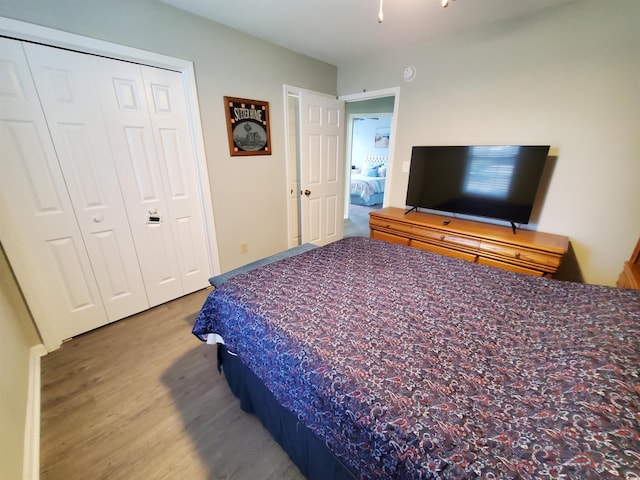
(244, 248)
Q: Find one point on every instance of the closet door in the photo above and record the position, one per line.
(176, 157)
(146, 117)
(126, 113)
(68, 96)
(38, 227)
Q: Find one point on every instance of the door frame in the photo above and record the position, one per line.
(48, 36)
(293, 156)
(292, 153)
(348, 154)
(358, 97)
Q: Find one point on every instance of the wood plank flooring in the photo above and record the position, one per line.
(141, 399)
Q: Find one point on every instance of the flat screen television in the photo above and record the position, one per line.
(493, 181)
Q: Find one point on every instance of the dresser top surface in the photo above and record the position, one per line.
(526, 238)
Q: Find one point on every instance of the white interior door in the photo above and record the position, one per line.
(146, 118)
(321, 168)
(38, 227)
(176, 160)
(68, 96)
(126, 112)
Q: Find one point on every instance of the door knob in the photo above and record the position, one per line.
(98, 218)
(307, 192)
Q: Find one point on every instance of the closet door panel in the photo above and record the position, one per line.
(38, 227)
(164, 270)
(67, 254)
(125, 109)
(176, 157)
(69, 99)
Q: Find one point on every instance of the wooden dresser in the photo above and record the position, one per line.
(526, 251)
(630, 276)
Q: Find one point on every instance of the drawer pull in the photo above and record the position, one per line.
(441, 237)
(517, 254)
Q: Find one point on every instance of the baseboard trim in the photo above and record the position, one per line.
(31, 459)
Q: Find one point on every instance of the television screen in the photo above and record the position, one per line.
(496, 181)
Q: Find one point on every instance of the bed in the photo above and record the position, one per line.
(367, 191)
(367, 183)
(376, 361)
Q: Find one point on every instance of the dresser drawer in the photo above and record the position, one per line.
(388, 237)
(510, 267)
(389, 225)
(469, 257)
(446, 238)
(520, 254)
(532, 252)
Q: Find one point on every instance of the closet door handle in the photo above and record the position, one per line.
(98, 218)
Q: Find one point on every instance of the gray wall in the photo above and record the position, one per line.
(375, 105)
(17, 336)
(567, 77)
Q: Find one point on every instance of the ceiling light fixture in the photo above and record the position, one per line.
(444, 3)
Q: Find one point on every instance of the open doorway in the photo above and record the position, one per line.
(381, 103)
(315, 133)
(370, 122)
(368, 158)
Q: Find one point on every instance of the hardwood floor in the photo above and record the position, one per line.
(141, 399)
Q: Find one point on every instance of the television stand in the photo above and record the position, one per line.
(513, 227)
(411, 210)
(531, 252)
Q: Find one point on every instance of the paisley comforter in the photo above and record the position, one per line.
(409, 365)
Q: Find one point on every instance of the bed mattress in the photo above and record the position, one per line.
(407, 364)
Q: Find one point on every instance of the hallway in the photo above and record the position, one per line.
(357, 225)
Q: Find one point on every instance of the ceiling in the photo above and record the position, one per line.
(336, 31)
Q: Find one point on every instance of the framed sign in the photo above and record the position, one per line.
(247, 126)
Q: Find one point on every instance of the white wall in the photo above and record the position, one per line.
(568, 77)
(17, 336)
(362, 140)
(249, 193)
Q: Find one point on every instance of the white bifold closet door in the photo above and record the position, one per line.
(67, 93)
(38, 226)
(118, 157)
(146, 118)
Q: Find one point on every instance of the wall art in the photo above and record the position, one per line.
(247, 126)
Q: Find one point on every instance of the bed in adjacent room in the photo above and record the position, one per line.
(367, 183)
(372, 360)
(366, 190)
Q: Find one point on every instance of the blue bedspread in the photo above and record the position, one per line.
(408, 364)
